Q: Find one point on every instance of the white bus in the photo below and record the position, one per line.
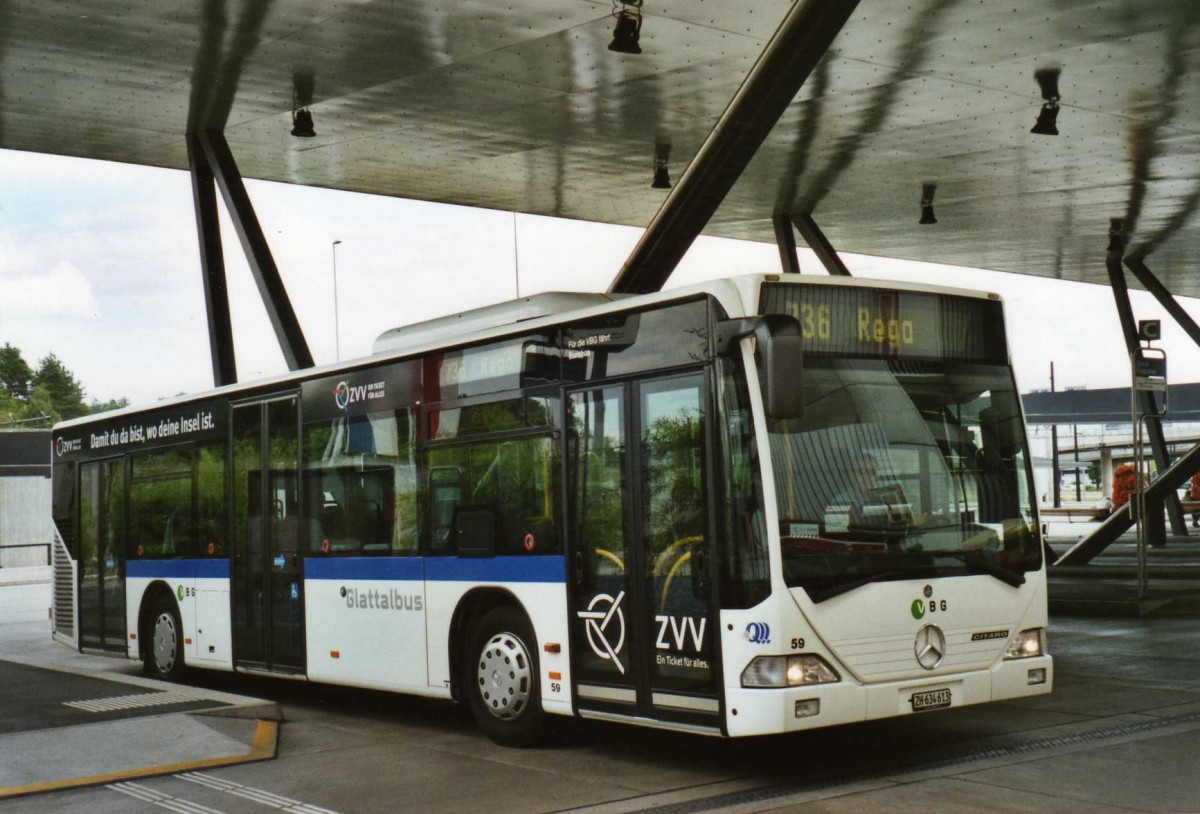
(752, 506)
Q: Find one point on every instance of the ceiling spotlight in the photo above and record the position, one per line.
(662, 179)
(927, 216)
(302, 96)
(1047, 120)
(628, 29)
(302, 124)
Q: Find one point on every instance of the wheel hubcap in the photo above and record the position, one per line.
(505, 677)
(165, 642)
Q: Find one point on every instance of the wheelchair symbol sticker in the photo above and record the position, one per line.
(604, 622)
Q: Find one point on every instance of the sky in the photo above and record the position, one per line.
(99, 264)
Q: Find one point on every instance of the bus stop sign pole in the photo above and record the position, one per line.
(1148, 371)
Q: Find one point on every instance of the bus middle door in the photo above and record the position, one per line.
(269, 534)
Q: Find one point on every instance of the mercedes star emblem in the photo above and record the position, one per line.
(930, 646)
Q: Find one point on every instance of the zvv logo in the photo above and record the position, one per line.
(679, 628)
(346, 394)
(605, 627)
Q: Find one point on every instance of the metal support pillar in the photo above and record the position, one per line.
(1056, 473)
(1166, 299)
(212, 266)
(786, 241)
(816, 240)
(1162, 459)
(258, 253)
(795, 49)
(1078, 476)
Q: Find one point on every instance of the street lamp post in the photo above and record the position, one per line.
(337, 334)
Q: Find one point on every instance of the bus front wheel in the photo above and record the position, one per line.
(164, 655)
(501, 678)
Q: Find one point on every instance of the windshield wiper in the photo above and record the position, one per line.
(976, 564)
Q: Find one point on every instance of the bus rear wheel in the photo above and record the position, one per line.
(164, 653)
(501, 678)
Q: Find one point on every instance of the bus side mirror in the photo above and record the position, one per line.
(780, 355)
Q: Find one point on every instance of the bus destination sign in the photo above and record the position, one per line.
(853, 321)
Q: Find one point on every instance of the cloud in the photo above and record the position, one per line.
(61, 291)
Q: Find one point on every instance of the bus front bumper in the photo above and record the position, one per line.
(771, 711)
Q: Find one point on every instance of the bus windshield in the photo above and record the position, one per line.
(903, 469)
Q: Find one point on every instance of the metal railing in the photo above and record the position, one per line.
(66, 617)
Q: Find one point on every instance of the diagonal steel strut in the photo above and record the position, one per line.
(212, 266)
(794, 50)
(258, 253)
(822, 248)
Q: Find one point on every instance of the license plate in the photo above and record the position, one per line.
(934, 699)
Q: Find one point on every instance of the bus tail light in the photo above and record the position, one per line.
(1027, 644)
(788, 671)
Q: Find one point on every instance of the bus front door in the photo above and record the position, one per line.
(266, 578)
(642, 599)
(102, 555)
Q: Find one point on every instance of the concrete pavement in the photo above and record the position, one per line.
(70, 720)
(1121, 732)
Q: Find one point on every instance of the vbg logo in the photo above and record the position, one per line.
(758, 633)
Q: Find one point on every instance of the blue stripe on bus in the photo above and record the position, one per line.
(496, 569)
(438, 569)
(435, 569)
(177, 569)
(383, 568)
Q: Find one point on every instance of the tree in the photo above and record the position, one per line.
(105, 406)
(40, 410)
(15, 373)
(10, 409)
(65, 393)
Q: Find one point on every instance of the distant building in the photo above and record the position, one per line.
(26, 529)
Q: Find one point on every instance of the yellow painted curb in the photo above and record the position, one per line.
(262, 747)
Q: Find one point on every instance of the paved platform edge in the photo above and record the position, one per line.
(264, 746)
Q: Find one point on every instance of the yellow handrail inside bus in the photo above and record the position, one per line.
(610, 556)
(660, 562)
(662, 605)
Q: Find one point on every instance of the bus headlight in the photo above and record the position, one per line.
(1027, 644)
(788, 671)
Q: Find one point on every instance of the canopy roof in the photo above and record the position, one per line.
(520, 106)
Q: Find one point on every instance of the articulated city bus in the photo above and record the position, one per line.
(752, 506)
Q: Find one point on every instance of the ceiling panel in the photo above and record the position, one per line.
(520, 105)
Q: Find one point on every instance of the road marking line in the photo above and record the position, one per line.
(266, 798)
(167, 801)
(122, 702)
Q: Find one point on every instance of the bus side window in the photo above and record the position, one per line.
(445, 495)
